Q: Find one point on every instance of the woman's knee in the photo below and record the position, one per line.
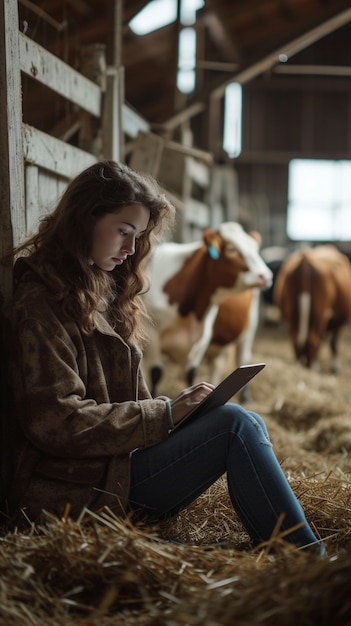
(258, 418)
(244, 422)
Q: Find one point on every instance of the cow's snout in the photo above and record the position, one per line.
(258, 280)
(265, 280)
(261, 280)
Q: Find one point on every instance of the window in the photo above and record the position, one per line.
(159, 13)
(156, 14)
(232, 120)
(319, 200)
(186, 60)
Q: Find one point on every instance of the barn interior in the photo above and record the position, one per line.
(290, 58)
(79, 83)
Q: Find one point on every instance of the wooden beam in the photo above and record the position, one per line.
(289, 49)
(133, 122)
(301, 83)
(196, 153)
(52, 154)
(312, 70)
(66, 127)
(49, 70)
(214, 124)
(112, 114)
(112, 125)
(282, 157)
(217, 66)
(180, 118)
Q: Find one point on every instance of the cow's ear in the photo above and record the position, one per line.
(255, 235)
(213, 243)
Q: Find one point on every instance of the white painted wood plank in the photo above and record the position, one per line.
(43, 189)
(12, 213)
(48, 195)
(196, 212)
(32, 193)
(49, 70)
(148, 154)
(53, 154)
(112, 114)
(198, 172)
(133, 122)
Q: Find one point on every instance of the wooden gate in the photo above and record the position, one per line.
(34, 166)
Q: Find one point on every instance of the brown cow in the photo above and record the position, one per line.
(188, 284)
(313, 292)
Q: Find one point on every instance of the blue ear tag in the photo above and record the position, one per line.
(214, 254)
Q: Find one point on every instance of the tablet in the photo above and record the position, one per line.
(223, 392)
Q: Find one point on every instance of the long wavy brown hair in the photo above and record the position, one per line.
(63, 244)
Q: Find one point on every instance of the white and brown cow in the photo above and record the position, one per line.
(189, 282)
(313, 291)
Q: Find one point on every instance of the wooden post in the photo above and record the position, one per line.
(12, 198)
(32, 196)
(12, 208)
(93, 66)
(214, 115)
(113, 147)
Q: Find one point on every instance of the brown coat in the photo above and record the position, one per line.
(81, 403)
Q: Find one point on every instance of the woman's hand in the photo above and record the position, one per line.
(188, 399)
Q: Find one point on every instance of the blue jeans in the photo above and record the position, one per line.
(168, 476)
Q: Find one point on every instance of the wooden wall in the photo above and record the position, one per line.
(283, 119)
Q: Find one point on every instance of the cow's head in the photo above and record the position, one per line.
(232, 243)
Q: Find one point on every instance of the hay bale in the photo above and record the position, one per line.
(331, 435)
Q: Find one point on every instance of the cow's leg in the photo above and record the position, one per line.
(335, 365)
(303, 337)
(200, 347)
(221, 362)
(246, 340)
(152, 360)
(244, 356)
(245, 395)
(190, 375)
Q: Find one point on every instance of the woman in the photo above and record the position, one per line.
(89, 432)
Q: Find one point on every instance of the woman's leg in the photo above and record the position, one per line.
(170, 475)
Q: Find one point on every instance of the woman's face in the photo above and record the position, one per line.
(115, 235)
